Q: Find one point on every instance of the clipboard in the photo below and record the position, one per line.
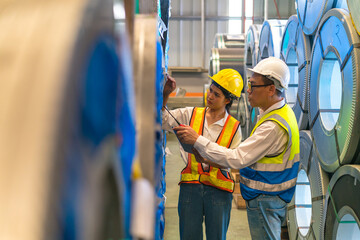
(187, 147)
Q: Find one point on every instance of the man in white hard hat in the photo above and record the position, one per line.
(269, 158)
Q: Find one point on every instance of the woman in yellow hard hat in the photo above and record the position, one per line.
(206, 191)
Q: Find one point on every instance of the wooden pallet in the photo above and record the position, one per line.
(238, 199)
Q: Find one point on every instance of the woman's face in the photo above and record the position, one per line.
(215, 98)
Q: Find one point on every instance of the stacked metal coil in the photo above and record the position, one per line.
(229, 40)
(305, 211)
(243, 115)
(334, 103)
(333, 112)
(251, 48)
(296, 53)
(251, 53)
(269, 45)
(270, 39)
(311, 12)
(342, 209)
(222, 58)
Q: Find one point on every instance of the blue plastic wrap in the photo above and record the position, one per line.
(126, 126)
(96, 120)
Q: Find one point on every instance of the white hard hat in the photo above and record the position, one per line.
(274, 69)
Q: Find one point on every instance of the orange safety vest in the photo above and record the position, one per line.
(194, 172)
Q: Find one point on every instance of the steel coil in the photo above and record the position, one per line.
(223, 40)
(251, 48)
(143, 215)
(296, 52)
(254, 113)
(305, 211)
(342, 208)
(243, 116)
(270, 39)
(334, 89)
(354, 9)
(311, 12)
(222, 58)
(341, 4)
(58, 120)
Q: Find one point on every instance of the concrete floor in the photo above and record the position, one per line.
(238, 228)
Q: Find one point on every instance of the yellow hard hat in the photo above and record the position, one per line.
(229, 79)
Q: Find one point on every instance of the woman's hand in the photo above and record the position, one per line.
(169, 86)
(186, 134)
(198, 157)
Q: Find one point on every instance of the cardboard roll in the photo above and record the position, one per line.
(223, 40)
(226, 58)
(270, 39)
(58, 121)
(342, 209)
(251, 48)
(333, 91)
(305, 211)
(355, 13)
(311, 12)
(296, 52)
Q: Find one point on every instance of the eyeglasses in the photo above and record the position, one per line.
(250, 86)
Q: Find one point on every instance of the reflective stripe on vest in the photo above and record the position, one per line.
(193, 172)
(275, 173)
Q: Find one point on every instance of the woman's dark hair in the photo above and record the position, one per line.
(227, 95)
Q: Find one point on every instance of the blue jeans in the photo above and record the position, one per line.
(265, 216)
(198, 201)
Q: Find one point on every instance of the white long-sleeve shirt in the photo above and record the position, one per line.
(211, 132)
(269, 139)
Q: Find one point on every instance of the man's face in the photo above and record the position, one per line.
(257, 90)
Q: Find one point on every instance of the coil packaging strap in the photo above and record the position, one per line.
(318, 181)
(342, 198)
(339, 145)
(296, 52)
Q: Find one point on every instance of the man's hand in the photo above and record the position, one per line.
(186, 134)
(200, 159)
